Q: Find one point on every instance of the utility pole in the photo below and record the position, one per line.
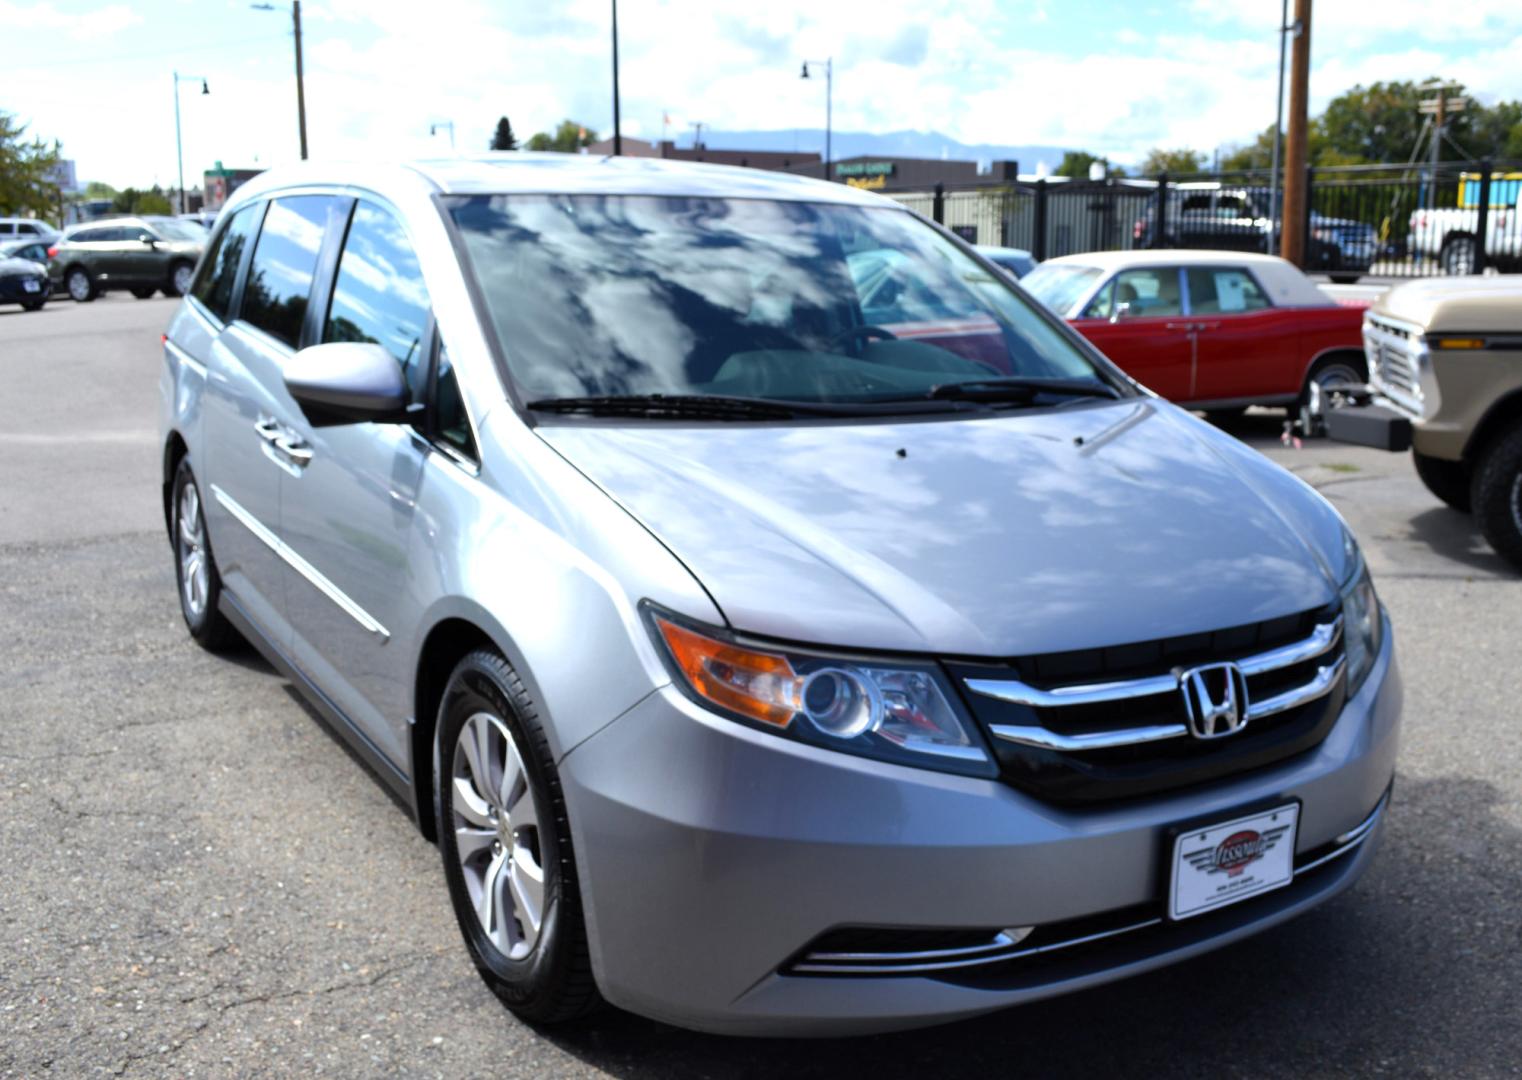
(1292, 234)
(301, 95)
(618, 136)
(1273, 168)
(697, 127)
(1448, 100)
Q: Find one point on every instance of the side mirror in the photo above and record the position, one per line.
(347, 382)
(1122, 311)
(149, 239)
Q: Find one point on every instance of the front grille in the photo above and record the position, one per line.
(1105, 724)
(1393, 353)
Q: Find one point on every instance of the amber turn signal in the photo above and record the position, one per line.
(761, 686)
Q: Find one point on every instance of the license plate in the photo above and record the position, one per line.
(30, 285)
(1217, 865)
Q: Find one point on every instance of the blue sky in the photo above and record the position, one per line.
(1108, 76)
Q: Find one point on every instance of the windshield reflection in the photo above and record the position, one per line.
(637, 295)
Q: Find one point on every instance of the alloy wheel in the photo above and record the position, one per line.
(1459, 256)
(79, 285)
(496, 828)
(182, 276)
(1334, 376)
(195, 572)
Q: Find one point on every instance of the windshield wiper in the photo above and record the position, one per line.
(1018, 388)
(688, 406)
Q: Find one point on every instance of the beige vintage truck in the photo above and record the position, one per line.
(1447, 354)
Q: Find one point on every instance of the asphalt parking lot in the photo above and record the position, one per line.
(197, 879)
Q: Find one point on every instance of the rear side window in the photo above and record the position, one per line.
(26, 230)
(1223, 290)
(219, 270)
(285, 259)
(85, 236)
(379, 295)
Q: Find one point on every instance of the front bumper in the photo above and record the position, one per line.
(12, 291)
(711, 854)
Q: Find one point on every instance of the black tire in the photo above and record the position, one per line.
(180, 273)
(143, 294)
(1448, 480)
(1496, 495)
(33, 305)
(206, 623)
(79, 283)
(1225, 413)
(553, 982)
(1345, 279)
(1460, 255)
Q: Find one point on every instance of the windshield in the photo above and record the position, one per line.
(170, 229)
(615, 296)
(1060, 287)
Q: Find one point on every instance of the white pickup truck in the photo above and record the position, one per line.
(1450, 234)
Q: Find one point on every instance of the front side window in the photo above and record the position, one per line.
(1219, 290)
(219, 271)
(745, 298)
(379, 296)
(285, 260)
(1149, 292)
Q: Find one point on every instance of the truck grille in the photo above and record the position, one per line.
(1104, 724)
(1394, 354)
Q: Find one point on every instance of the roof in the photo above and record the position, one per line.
(1114, 260)
(1285, 284)
(512, 172)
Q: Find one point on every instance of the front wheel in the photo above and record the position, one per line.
(1448, 480)
(506, 845)
(1496, 496)
(196, 574)
(32, 305)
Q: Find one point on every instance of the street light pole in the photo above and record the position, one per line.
(618, 136)
(829, 104)
(179, 146)
(301, 96)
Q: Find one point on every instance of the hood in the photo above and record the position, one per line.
(21, 268)
(1463, 304)
(1015, 534)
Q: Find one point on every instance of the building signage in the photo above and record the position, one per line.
(867, 183)
(865, 168)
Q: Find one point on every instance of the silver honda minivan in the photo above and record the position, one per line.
(780, 623)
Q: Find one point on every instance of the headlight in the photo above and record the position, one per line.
(891, 710)
(1362, 626)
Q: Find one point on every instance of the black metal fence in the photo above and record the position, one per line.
(1364, 220)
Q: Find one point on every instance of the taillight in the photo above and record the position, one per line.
(52, 253)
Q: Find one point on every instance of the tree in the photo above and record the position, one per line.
(503, 138)
(1075, 163)
(1173, 162)
(132, 201)
(569, 137)
(26, 170)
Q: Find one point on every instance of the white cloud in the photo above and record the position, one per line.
(104, 22)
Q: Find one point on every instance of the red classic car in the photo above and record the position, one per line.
(1210, 329)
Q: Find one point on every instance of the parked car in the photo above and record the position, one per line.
(18, 228)
(757, 668)
(1209, 215)
(143, 255)
(1017, 262)
(22, 280)
(1445, 357)
(1210, 329)
(32, 250)
(1451, 234)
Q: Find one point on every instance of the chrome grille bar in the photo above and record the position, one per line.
(1321, 641)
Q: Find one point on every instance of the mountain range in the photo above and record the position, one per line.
(847, 144)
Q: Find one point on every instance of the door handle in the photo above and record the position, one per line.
(1206, 325)
(1178, 326)
(268, 429)
(295, 451)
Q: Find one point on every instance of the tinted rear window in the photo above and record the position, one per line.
(285, 258)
